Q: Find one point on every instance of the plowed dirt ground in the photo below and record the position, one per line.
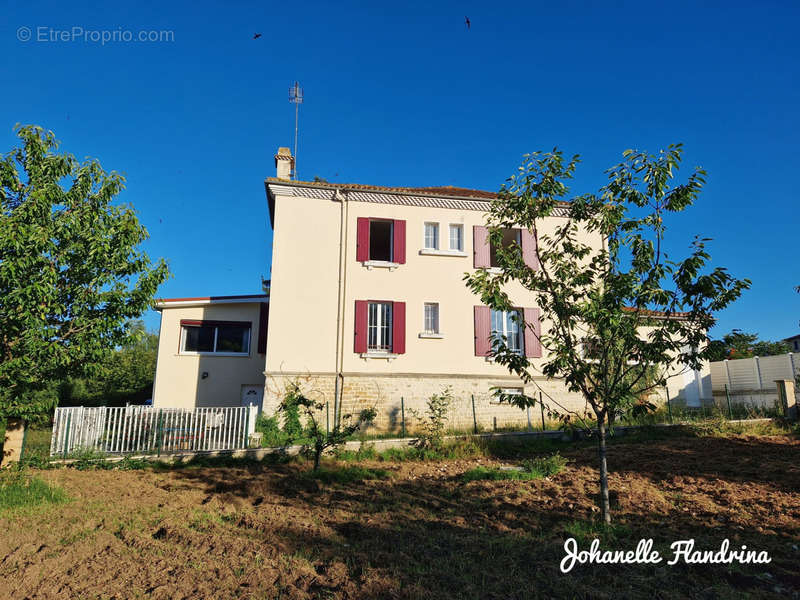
(268, 531)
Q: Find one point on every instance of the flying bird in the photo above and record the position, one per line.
(256, 36)
(466, 22)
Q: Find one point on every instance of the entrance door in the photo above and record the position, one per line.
(252, 395)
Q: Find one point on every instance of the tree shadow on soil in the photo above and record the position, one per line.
(440, 537)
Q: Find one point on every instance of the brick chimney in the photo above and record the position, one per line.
(284, 162)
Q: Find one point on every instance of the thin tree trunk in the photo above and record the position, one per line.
(604, 502)
(317, 454)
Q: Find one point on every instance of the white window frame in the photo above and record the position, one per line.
(460, 228)
(434, 243)
(505, 329)
(182, 349)
(437, 249)
(380, 327)
(432, 332)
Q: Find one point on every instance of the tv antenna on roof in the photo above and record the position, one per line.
(296, 98)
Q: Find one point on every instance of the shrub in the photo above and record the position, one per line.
(271, 431)
(319, 438)
(434, 422)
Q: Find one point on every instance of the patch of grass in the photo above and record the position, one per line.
(19, 489)
(346, 475)
(534, 468)
(586, 531)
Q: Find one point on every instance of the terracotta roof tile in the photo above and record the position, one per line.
(448, 191)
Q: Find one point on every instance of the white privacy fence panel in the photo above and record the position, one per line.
(752, 380)
(775, 367)
(148, 430)
(719, 375)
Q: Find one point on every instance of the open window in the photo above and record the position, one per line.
(380, 240)
(510, 237)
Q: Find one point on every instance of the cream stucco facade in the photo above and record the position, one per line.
(187, 379)
(320, 277)
(317, 278)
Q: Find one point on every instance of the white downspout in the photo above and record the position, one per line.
(340, 196)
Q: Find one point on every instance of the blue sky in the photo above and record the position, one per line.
(404, 94)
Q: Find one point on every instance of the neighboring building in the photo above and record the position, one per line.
(794, 343)
(211, 351)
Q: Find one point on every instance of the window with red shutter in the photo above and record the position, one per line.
(398, 327)
(399, 250)
(482, 330)
(480, 247)
(529, 254)
(533, 331)
(362, 239)
(360, 333)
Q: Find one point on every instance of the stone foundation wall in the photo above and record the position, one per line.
(385, 393)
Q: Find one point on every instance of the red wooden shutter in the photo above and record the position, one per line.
(263, 320)
(399, 229)
(529, 249)
(360, 333)
(483, 330)
(398, 327)
(481, 253)
(362, 239)
(533, 329)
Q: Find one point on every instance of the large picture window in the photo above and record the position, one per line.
(379, 327)
(215, 337)
(506, 324)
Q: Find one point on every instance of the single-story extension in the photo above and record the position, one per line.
(211, 351)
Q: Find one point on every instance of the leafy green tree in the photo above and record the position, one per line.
(615, 318)
(126, 376)
(740, 344)
(72, 275)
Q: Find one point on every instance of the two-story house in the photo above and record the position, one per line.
(368, 306)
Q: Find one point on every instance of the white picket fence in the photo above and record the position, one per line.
(148, 430)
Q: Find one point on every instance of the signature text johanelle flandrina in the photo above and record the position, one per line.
(682, 551)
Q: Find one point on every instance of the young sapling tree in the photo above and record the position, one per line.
(617, 315)
(295, 399)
